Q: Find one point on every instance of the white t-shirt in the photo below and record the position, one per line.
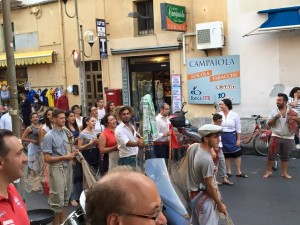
(5, 122)
(101, 113)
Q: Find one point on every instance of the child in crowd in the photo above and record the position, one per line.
(218, 156)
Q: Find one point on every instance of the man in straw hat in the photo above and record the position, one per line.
(116, 199)
(201, 169)
(128, 139)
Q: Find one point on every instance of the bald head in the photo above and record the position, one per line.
(118, 192)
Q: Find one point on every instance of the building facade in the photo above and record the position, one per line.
(140, 55)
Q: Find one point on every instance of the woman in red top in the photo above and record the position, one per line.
(107, 140)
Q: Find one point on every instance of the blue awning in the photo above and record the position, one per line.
(281, 19)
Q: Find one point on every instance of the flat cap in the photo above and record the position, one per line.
(209, 129)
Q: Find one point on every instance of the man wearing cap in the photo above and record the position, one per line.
(201, 170)
(128, 139)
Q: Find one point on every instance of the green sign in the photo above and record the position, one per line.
(173, 17)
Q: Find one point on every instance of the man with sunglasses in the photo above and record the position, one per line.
(124, 197)
(201, 170)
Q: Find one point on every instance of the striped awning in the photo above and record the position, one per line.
(29, 58)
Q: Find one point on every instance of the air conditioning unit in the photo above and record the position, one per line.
(210, 35)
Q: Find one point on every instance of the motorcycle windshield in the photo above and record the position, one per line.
(157, 171)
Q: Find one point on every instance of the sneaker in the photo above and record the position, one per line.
(297, 146)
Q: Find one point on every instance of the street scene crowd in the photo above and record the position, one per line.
(53, 151)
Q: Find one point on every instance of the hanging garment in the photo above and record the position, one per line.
(49, 95)
(150, 131)
(30, 95)
(45, 99)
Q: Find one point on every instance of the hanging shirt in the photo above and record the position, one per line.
(45, 99)
(49, 95)
(12, 209)
(30, 95)
(39, 92)
(62, 103)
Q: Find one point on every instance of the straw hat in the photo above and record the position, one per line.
(118, 109)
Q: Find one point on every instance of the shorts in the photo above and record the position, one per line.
(61, 185)
(281, 146)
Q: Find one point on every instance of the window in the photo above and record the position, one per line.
(145, 19)
(13, 34)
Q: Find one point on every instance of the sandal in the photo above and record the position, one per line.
(242, 175)
(228, 174)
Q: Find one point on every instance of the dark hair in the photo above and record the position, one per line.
(100, 98)
(33, 113)
(125, 108)
(107, 111)
(36, 96)
(217, 116)
(74, 106)
(57, 112)
(118, 199)
(284, 96)
(293, 91)
(228, 103)
(85, 120)
(104, 120)
(4, 149)
(90, 109)
(46, 120)
(67, 114)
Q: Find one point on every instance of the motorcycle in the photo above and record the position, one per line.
(176, 209)
(186, 133)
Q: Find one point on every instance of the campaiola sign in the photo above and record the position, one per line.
(173, 17)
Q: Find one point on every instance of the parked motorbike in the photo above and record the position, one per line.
(186, 133)
(176, 209)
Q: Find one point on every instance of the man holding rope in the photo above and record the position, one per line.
(201, 170)
(57, 153)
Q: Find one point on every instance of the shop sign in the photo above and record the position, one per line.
(173, 17)
(176, 92)
(212, 79)
(101, 33)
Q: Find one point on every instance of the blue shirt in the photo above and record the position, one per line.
(56, 143)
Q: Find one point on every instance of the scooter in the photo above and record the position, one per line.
(176, 209)
(188, 133)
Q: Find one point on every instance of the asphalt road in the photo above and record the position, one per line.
(258, 201)
(250, 201)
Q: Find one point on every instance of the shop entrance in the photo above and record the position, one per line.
(94, 86)
(149, 75)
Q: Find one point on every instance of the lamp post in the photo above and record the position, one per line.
(91, 41)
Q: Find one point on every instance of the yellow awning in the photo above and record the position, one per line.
(29, 58)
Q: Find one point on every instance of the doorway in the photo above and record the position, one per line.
(94, 85)
(149, 75)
